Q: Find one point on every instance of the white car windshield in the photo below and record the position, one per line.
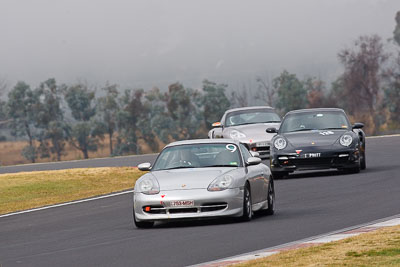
(198, 156)
(251, 116)
(314, 121)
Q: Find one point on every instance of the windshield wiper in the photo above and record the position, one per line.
(245, 123)
(180, 167)
(220, 165)
(301, 130)
(333, 128)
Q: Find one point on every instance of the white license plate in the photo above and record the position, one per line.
(312, 155)
(182, 203)
(262, 144)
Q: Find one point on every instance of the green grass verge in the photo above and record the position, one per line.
(26, 190)
(378, 248)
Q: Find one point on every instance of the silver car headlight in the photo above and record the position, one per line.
(280, 143)
(236, 134)
(220, 183)
(346, 140)
(149, 186)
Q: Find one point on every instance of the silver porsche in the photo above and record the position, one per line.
(248, 125)
(203, 178)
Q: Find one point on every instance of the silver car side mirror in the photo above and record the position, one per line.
(217, 124)
(144, 166)
(255, 154)
(253, 161)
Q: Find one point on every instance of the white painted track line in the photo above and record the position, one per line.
(67, 203)
(307, 242)
(383, 136)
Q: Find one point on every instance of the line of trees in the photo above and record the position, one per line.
(52, 115)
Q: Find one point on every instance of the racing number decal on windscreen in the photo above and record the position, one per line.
(231, 148)
(326, 133)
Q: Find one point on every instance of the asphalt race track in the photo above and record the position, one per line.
(100, 232)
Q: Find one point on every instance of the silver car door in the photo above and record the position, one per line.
(265, 181)
(257, 183)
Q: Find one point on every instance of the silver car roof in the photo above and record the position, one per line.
(249, 108)
(203, 141)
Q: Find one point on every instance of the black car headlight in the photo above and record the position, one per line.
(280, 143)
(346, 140)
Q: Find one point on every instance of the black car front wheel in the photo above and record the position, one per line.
(363, 161)
(279, 175)
(355, 169)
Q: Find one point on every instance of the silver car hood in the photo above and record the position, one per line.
(256, 132)
(192, 178)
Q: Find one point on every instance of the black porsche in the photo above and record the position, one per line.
(320, 138)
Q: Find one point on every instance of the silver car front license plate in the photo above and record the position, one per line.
(262, 144)
(182, 203)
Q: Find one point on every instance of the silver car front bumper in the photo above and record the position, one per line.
(262, 147)
(206, 204)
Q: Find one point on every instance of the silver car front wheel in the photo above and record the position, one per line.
(247, 210)
(271, 198)
(141, 224)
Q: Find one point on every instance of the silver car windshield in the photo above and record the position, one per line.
(251, 116)
(314, 121)
(198, 156)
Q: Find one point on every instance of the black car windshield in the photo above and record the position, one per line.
(250, 116)
(314, 121)
(198, 156)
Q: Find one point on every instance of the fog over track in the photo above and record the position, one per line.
(100, 232)
(142, 44)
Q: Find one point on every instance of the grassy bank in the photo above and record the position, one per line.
(10, 152)
(28, 190)
(379, 248)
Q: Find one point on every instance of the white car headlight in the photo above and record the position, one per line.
(236, 134)
(220, 183)
(346, 140)
(280, 143)
(149, 186)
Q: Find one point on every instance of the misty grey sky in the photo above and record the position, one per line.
(157, 42)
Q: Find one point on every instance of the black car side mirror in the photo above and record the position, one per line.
(358, 125)
(271, 130)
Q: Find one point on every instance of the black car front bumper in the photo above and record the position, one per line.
(312, 160)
